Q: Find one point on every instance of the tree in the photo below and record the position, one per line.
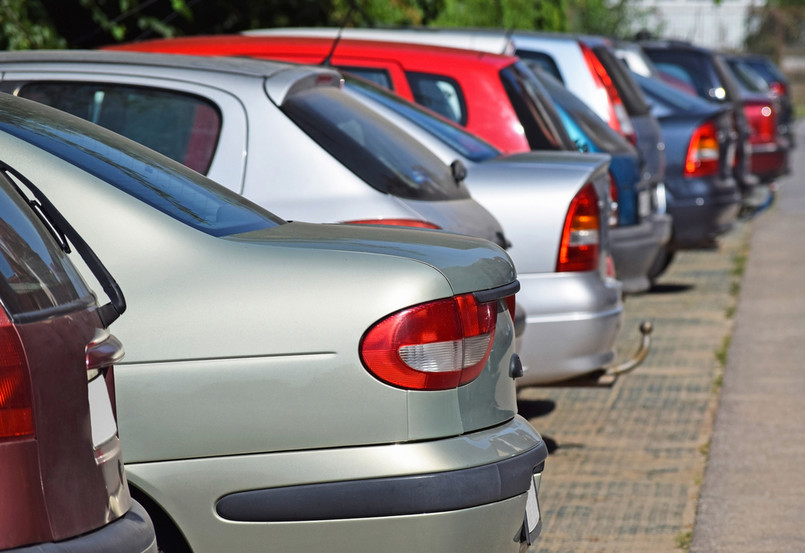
(26, 24)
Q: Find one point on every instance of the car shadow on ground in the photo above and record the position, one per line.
(670, 288)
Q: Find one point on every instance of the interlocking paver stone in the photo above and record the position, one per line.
(629, 460)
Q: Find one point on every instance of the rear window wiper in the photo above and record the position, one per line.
(64, 234)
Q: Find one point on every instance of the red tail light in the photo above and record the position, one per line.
(703, 153)
(436, 345)
(617, 117)
(581, 238)
(763, 121)
(16, 409)
(395, 223)
(777, 88)
(614, 211)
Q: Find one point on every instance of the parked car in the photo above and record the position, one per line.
(63, 484)
(586, 65)
(539, 197)
(702, 194)
(493, 96)
(289, 383)
(642, 218)
(283, 136)
(779, 86)
(763, 110)
(706, 71)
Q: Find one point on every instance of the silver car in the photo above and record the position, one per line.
(572, 313)
(292, 385)
(284, 136)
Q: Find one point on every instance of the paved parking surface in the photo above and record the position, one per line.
(629, 460)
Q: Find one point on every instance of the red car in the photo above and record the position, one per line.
(62, 483)
(492, 95)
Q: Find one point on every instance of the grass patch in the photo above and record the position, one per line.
(718, 381)
(721, 353)
(739, 263)
(735, 288)
(684, 539)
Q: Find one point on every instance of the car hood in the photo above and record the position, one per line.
(469, 264)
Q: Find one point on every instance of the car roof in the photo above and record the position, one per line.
(235, 66)
(319, 46)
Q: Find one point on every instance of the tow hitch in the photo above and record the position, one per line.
(607, 376)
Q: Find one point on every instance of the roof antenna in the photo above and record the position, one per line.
(506, 44)
(326, 61)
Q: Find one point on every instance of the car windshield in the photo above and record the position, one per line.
(463, 142)
(158, 181)
(35, 275)
(371, 147)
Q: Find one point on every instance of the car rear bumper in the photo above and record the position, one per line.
(465, 493)
(572, 323)
(634, 248)
(698, 221)
(131, 533)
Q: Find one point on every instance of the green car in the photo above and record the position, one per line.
(293, 386)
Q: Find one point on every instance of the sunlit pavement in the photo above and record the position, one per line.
(629, 460)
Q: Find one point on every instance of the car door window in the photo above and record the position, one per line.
(181, 126)
(169, 187)
(440, 94)
(377, 76)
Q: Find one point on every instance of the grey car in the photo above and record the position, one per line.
(284, 136)
(572, 314)
(309, 386)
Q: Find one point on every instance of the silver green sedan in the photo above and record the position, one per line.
(293, 386)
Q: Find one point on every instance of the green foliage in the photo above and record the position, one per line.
(775, 25)
(25, 24)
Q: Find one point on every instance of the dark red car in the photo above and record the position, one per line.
(62, 483)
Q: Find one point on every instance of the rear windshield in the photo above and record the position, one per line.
(370, 146)
(691, 68)
(158, 181)
(542, 127)
(181, 126)
(36, 277)
(466, 144)
(628, 90)
(746, 75)
(585, 127)
(670, 97)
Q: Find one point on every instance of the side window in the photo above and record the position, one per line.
(181, 126)
(440, 94)
(378, 76)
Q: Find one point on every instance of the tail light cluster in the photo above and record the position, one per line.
(16, 403)
(436, 345)
(763, 121)
(778, 89)
(618, 117)
(703, 155)
(581, 239)
(396, 223)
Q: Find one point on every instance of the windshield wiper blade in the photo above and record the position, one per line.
(64, 234)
